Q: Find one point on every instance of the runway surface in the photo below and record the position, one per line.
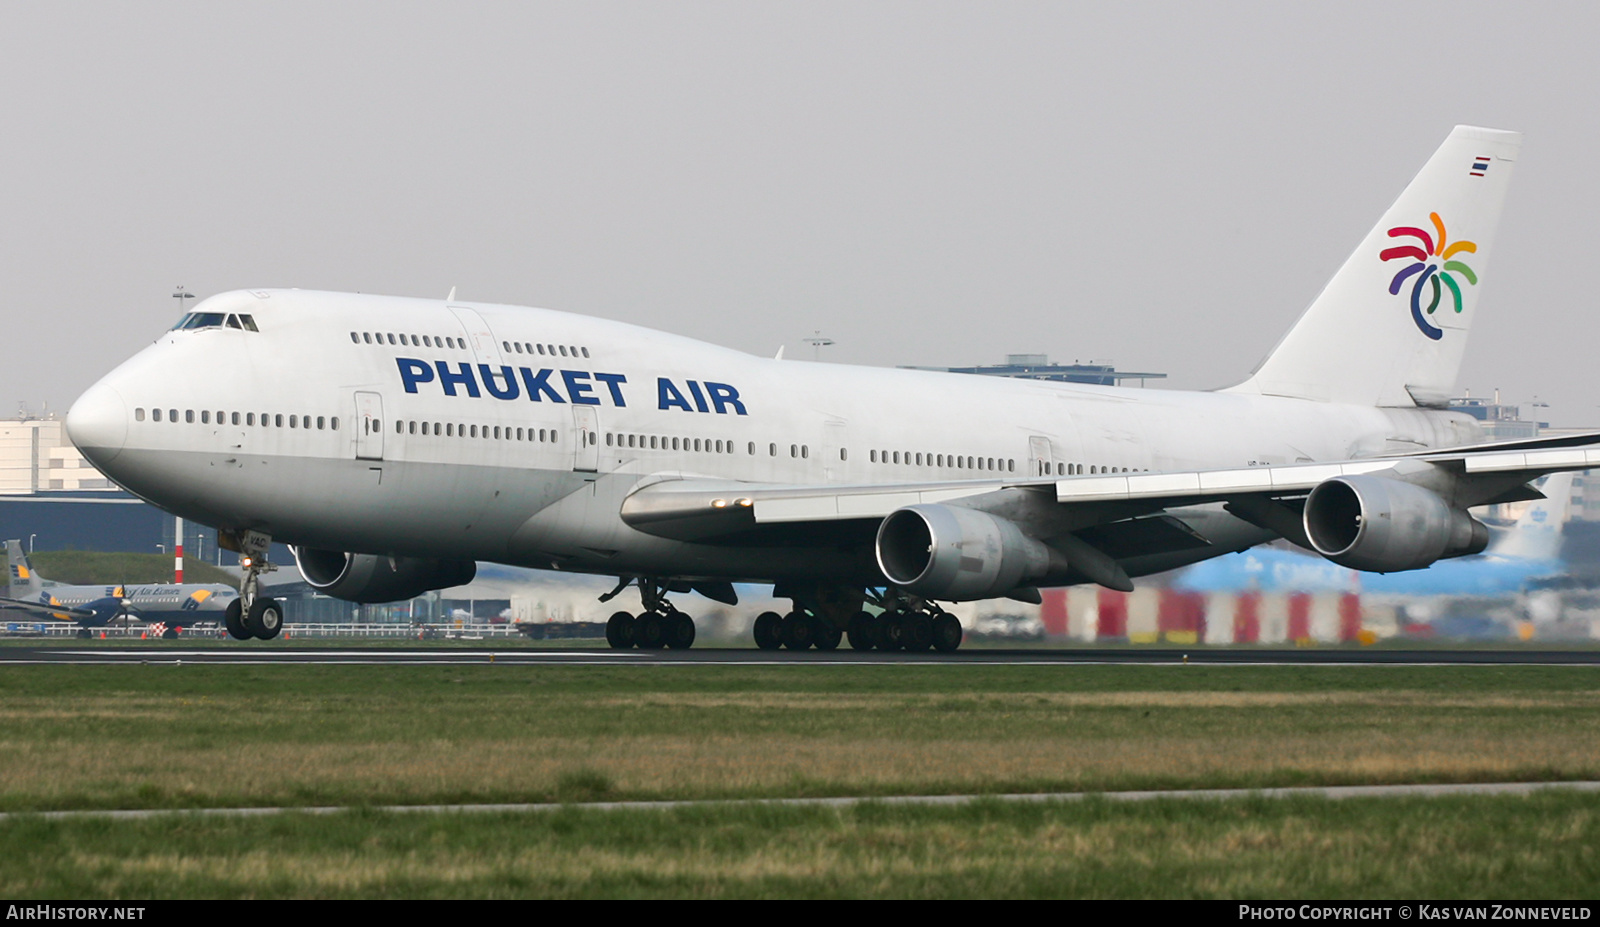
(252, 653)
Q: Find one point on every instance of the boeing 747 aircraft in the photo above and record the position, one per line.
(395, 442)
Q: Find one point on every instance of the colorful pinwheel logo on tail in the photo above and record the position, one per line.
(1433, 267)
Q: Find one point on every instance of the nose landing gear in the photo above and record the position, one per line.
(253, 614)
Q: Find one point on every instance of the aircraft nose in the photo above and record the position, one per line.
(98, 424)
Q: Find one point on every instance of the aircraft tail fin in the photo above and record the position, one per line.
(1537, 534)
(25, 583)
(1390, 328)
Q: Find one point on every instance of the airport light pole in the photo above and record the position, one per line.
(817, 344)
(182, 296)
(30, 542)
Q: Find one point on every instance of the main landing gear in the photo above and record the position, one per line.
(797, 630)
(906, 623)
(252, 614)
(659, 626)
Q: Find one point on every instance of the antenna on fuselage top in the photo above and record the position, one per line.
(452, 297)
(779, 355)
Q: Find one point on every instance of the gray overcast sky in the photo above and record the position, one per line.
(1163, 185)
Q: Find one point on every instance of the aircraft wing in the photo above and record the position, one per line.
(1116, 515)
(58, 612)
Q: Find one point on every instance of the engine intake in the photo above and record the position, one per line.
(371, 578)
(952, 553)
(1386, 526)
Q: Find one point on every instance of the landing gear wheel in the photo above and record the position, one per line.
(946, 633)
(799, 631)
(916, 630)
(620, 631)
(170, 634)
(85, 633)
(890, 631)
(680, 631)
(828, 636)
(233, 620)
(265, 619)
(766, 630)
(861, 628)
(650, 633)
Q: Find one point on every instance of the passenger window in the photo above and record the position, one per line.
(205, 417)
(277, 421)
(250, 418)
(355, 338)
(172, 416)
(333, 423)
(772, 450)
(585, 352)
(138, 415)
(322, 422)
(294, 421)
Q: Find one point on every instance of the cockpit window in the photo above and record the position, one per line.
(197, 320)
(200, 320)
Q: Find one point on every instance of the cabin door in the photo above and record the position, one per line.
(1041, 458)
(586, 439)
(369, 426)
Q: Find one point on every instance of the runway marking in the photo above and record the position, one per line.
(1332, 793)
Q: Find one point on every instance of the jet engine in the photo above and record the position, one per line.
(369, 578)
(953, 553)
(1381, 525)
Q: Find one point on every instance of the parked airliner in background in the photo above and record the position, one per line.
(1528, 551)
(397, 441)
(170, 606)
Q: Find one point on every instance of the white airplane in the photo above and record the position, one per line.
(395, 441)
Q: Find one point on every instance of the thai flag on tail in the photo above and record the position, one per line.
(1480, 164)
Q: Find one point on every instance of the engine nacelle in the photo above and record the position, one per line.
(952, 553)
(1385, 526)
(370, 578)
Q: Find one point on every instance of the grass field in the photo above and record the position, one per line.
(163, 736)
